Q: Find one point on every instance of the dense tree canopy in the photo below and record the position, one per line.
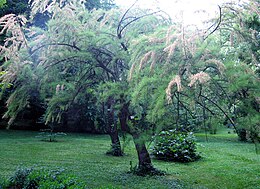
(133, 71)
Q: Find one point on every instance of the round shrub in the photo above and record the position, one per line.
(45, 179)
(175, 146)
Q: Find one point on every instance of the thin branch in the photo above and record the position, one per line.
(210, 66)
(220, 19)
(54, 44)
(60, 61)
(184, 106)
(123, 17)
(137, 18)
(198, 102)
(214, 103)
(101, 65)
(121, 28)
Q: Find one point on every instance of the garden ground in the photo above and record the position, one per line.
(226, 163)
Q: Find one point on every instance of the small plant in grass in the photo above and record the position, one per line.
(49, 135)
(175, 146)
(43, 178)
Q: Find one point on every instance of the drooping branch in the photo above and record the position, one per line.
(121, 27)
(86, 85)
(184, 106)
(123, 19)
(99, 51)
(103, 63)
(218, 24)
(104, 67)
(210, 66)
(119, 34)
(215, 104)
(90, 72)
(198, 102)
(222, 89)
(54, 44)
(60, 61)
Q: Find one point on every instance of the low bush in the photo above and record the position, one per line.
(31, 178)
(175, 146)
(19, 177)
(49, 135)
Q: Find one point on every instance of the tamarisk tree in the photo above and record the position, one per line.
(177, 76)
(240, 40)
(67, 60)
(172, 79)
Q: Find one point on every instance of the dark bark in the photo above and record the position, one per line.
(145, 163)
(115, 146)
(142, 152)
(123, 116)
(145, 166)
(218, 24)
(256, 140)
(113, 131)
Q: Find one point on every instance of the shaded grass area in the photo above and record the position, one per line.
(80, 154)
(226, 163)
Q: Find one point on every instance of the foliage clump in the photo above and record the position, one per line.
(175, 146)
(43, 178)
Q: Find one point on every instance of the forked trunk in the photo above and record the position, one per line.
(123, 116)
(145, 166)
(115, 146)
(113, 131)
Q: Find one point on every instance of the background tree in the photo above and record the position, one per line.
(83, 56)
(240, 40)
(173, 79)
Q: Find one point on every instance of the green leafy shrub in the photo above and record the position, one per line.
(175, 146)
(44, 179)
(18, 180)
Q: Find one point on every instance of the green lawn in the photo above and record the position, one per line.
(226, 162)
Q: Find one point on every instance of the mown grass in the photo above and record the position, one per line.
(226, 163)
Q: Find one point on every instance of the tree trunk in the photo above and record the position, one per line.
(256, 140)
(115, 146)
(123, 116)
(145, 166)
(142, 152)
(113, 131)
